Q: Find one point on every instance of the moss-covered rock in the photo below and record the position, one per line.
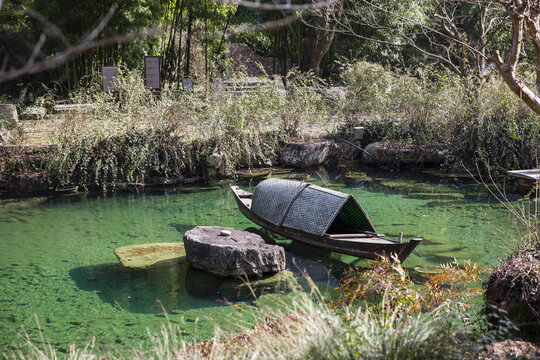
(281, 282)
(142, 256)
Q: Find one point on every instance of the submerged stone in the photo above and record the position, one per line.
(281, 282)
(241, 253)
(426, 269)
(142, 256)
(441, 196)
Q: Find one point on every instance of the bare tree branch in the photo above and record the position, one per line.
(37, 49)
(287, 5)
(48, 26)
(266, 25)
(86, 43)
(524, 16)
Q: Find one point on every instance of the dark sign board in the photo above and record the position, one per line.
(187, 84)
(152, 72)
(110, 78)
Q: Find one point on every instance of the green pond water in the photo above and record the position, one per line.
(57, 264)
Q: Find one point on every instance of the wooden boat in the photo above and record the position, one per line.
(319, 217)
(70, 189)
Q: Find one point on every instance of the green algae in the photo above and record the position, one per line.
(57, 259)
(441, 196)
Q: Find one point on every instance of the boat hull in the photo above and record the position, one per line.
(363, 247)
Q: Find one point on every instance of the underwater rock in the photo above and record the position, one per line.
(513, 293)
(301, 155)
(241, 253)
(385, 152)
(142, 256)
(281, 282)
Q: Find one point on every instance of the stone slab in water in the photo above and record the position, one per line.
(241, 253)
(281, 282)
(142, 256)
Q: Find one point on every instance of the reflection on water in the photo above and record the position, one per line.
(57, 261)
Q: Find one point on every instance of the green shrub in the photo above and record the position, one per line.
(132, 135)
(477, 122)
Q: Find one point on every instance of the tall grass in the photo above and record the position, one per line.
(132, 135)
(305, 328)
(304, 325)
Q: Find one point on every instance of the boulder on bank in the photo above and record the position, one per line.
(215, 165)
(301, 155)
(514, 288)
(238, 254)
(142, 256)
(385, 153)
(8, 113)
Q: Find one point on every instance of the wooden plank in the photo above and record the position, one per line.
(371, 240)
(68, 107)
(346, 236)
(531, 174)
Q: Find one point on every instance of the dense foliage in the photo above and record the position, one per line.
(481, 123)
(135, 136)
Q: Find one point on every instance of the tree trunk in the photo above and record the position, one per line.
(188, 40)
(524, 16)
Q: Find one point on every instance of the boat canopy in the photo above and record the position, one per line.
(307, 207)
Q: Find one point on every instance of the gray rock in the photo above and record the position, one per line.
(5, 135)
(215, 166)
(34, 112)
(241, 253)
(302, 155)
(386, 153)
(8, 113)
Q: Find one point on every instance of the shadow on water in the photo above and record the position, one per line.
(303, 259)
(175, 284)
(181, 228)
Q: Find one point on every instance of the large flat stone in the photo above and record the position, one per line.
(385, 153)
(238, 254)
(142, 256)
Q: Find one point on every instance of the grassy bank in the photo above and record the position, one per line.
(133, 136)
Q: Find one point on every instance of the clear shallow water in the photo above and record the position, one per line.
(57, 261)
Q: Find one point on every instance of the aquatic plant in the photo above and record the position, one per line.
(388, 284)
